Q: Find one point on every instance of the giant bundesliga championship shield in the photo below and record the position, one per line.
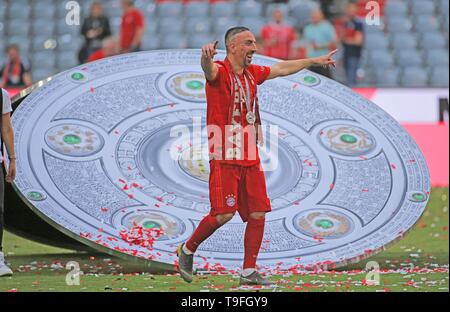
(97, 157)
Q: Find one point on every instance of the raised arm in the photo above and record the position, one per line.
(209, 67)
(286, 68)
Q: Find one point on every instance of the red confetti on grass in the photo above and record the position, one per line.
(138, 236)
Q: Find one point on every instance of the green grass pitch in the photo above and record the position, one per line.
(418, 262)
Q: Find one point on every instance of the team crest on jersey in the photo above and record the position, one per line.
(230, 200)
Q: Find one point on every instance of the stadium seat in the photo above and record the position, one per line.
(255, 24)
(44, 59)
(18, 10)
(435, 57)
(301, 11)
(426, 23)
(66, 60)
(197, 41)
(43, 27)
(169, 9)
(196, 9)
(380, 59)
(422, 8)
(374, 29)
(68, 42)
(18, 27)
(399, 24)
(388, 77)
(401, 41)
(249, 8)
(148, 9)
(439, 77)
(43, 9)
(407, 58)
(222, 24)
(111, 13)
(223, 9)
(150, 43)
(42, 73)
(414, 77)
(62, 28)
(151, 26)
(198, 25)
(170, 26)
(174, 41)
(375, 41)
(395, 8)
(432, 40)
(442, 5)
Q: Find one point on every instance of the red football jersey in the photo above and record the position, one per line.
(220, 112)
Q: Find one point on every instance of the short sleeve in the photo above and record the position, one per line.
(139, 19)
(6, 102)
(260, 73)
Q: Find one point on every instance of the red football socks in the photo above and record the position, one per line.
(254, 233)
(205, 229)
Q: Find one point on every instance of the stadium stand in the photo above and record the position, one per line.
(408, 49)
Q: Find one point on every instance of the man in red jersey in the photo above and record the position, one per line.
(237, 181)
(132, 28)
(278, 37)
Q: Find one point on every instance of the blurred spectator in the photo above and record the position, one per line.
(110, 47)
(132, 28)
(278, 37)
(321, 39)
(352, 40)
(15, 72)
(95, 28)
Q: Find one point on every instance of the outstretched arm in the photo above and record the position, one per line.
(286, 68)
(209, 67)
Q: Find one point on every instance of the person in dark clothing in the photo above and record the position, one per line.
(352, 40)
(95, 28)
(15, 72)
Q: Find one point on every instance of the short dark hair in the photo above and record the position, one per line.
(233, 31)
(12, 46)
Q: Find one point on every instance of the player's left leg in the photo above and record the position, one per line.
(255, 204)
